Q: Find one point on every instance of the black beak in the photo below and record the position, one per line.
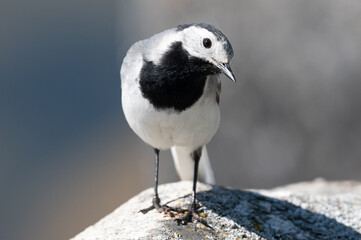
(226, 69)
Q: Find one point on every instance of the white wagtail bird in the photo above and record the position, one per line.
(170, 96)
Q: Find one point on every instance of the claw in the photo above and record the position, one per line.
(188, 214)
(191, 214)
(162, 208)
(186, 218)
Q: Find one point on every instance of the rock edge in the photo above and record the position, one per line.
(307, 210)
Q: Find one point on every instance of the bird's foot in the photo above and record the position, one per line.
(191, 214)
(188, 214)
(163, 208)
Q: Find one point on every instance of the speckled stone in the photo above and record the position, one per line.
(309, 210)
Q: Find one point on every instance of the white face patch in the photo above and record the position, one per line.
(193, 42)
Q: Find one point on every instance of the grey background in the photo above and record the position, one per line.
(67, 156)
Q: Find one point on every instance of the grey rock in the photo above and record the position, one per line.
(308, 210)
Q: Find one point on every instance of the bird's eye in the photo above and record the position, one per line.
(207, 43)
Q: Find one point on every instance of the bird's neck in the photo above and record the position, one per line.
(177, 82)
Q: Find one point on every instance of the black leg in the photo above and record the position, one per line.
(189, 214)
(192, 212)
(156, 200)
(196, 157)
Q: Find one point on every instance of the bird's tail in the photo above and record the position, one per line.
(184, 164)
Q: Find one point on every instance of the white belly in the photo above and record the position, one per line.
(161, 129)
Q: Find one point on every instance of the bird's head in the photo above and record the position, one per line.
(206, 42)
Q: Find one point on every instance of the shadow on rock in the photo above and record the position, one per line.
(270, 218)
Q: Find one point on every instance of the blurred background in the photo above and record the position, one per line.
(67, 156)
